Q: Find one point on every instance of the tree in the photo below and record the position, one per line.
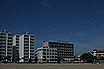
(59, 59)
(87, 57)
(18, 59)
(29, 60)
(36, 59)
(8, 58)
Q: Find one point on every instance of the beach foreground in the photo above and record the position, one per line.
(51, 66)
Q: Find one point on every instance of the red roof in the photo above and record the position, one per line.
(100, 51)
(77, 56)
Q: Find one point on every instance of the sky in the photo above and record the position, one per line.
(78, 21)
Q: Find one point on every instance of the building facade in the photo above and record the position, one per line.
(26, 48)
(5, 46)
(98, 53)
(46, 54)
(16, 42)
(57, 49)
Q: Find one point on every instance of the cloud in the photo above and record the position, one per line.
(52, 29)
(45, 3)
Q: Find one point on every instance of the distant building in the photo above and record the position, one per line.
(46, 54)
(52, 51)
(77, 59)
(25, 47)
(98, 53)
(5, 46)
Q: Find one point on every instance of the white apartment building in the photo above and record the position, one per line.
(26, 47)
(46, 54)
(5, 46)
(53, 50)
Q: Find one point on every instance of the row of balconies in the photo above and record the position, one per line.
(49, 49)
(2, 45)
(32, 47)
(61, 45)
(27, 55)
(51, 57)
(31, 50)
(2, 34)
(64, 50)
(2, 54)
(65, 54)
(2, 42)
(54, 54)
(2, 51)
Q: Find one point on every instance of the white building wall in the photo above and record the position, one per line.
(49, 56)
(14, 41)
(40, 54)
(29, 46)
(6, 43)
(21, 48)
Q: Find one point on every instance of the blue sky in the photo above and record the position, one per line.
(78, 21)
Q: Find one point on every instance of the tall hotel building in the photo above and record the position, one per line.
(5, 46)
(53, 50)
(25, 47)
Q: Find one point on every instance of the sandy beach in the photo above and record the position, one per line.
(51, 66)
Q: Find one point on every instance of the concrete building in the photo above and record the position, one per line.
(26, 48)
(98, 53)
(46, 54)
(5, 46)
(16, 41)
(57, 49)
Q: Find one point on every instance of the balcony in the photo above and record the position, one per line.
(3, 45)
(10, 39)
(26, 43)
(31, 46)
(2, 41)
(32, 49)
(26, 52)
(26, 40)
(3, 51)
(31, 41)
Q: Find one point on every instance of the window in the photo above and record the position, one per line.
(47, 53)
(44, 56)
(44, 53)
(44, 49)
(47, 56)
(52, 53)
(52, 50)
(52, 56)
